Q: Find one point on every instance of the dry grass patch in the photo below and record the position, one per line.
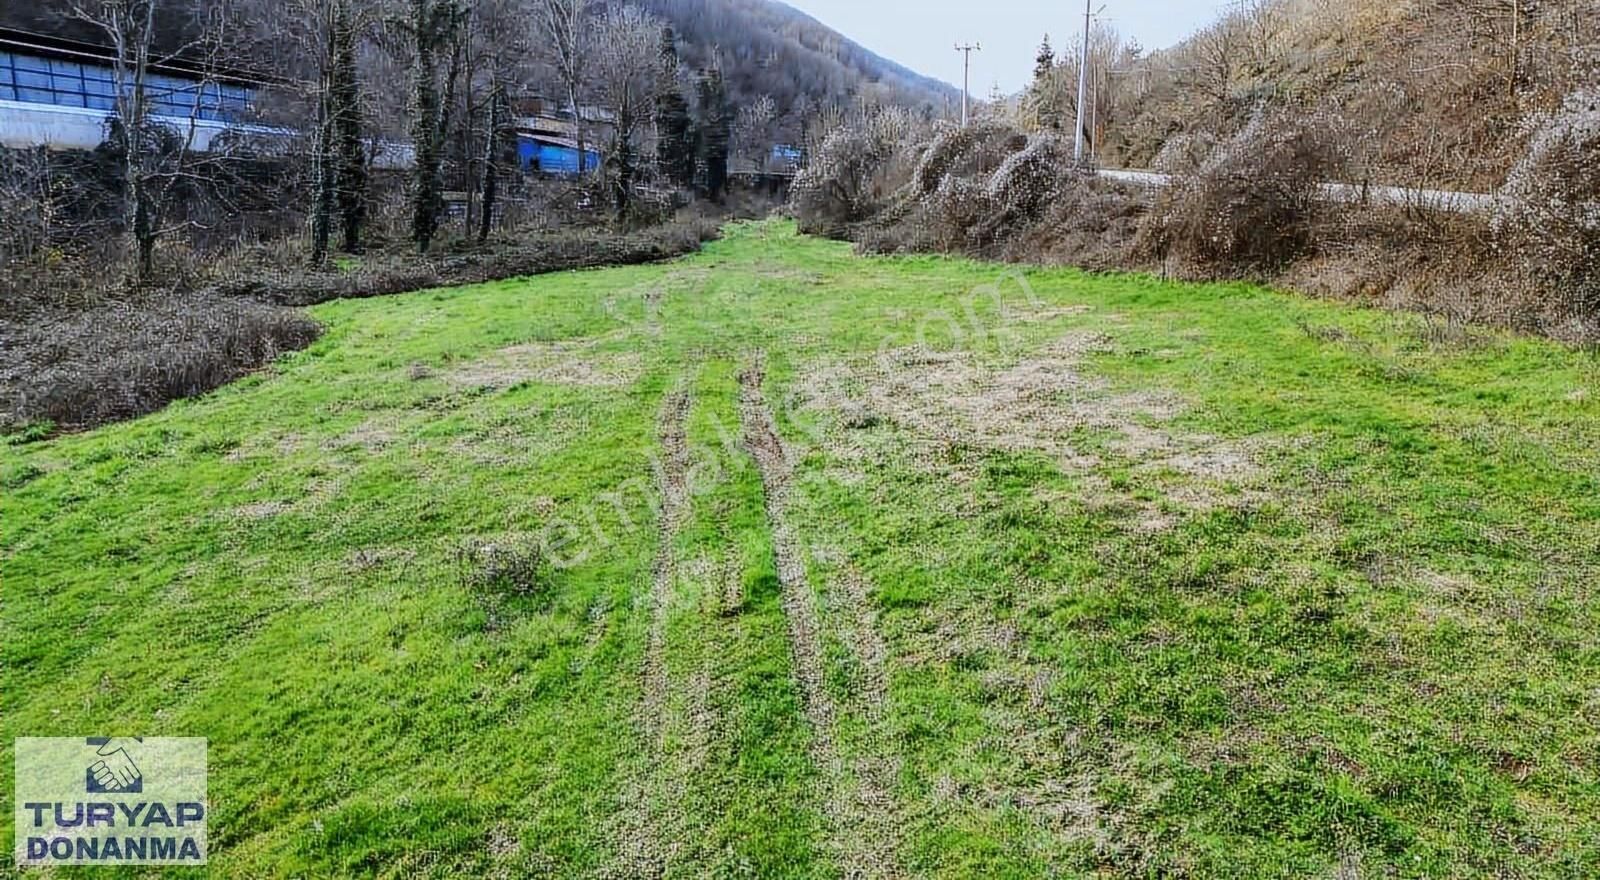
(1046, 403)
(577, 363)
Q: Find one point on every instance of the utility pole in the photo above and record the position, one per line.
(1083, 81)
(966, 75)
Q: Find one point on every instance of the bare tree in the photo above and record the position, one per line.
(626, 60)
(752, 130)
(564, 25)
(157, 155)
(499, 154)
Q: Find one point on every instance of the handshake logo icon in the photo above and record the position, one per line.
(114, 772)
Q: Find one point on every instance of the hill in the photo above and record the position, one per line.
(1437, 92)
(769, 48)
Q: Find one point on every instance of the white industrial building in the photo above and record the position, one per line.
(61, 94)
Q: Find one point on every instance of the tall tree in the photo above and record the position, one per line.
(157, 157)
(716, 131)
(499, 154)
(1041, 98)
(348, 124)
(1044, 61)
(626, 63)
(674, 129)
(434, 24)
(564, 25)
(324, 167)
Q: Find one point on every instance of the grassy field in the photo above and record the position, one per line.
(780, 562)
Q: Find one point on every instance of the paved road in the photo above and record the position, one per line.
(1438, 200)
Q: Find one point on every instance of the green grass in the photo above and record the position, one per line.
(1376, 649)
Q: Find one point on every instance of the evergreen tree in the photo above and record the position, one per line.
(716, 132)
(1046, 112)
(674, 130)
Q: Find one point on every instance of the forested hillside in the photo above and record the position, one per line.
(769, 48)
(765, 48)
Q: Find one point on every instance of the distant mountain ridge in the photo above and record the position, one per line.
(770, 48)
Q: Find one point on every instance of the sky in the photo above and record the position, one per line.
(921, 34)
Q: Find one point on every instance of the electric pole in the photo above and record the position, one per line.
(1083, 82)
(966, 75)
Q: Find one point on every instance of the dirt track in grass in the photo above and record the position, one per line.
(858, 799)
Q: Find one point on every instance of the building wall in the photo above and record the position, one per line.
(553, 158)
(33, 79)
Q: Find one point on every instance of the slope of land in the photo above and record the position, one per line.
(1440, 93)
(962, 573)
(770, 48)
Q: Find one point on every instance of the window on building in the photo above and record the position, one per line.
(8, 85)
(63, 83)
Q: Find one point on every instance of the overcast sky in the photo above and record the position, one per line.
(921, 34)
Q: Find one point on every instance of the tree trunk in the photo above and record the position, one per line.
(326, 186)
(144, 235)
(577, 126)
(426, 195)
(351, 170)
(499, 113)
(322, 156)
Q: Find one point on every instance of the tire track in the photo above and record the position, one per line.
(643, 849)
(859, 622)
(861, 815)
(672, 484)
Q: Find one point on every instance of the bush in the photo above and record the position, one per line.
(1253, 205)
(1027, 182)
(1548, 218)
(534, 253)
(850, 174)
(81, 366)
(124, 359)
(964, 152)
(977, 191)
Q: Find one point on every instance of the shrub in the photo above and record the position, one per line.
(1253, 205)
(498, 571)
(1028, 181)
(531, 254)
(84, 365)
(507, 579)
(851, 173)
(1184, 153)
(1548, 216)
(964, 152)
(977, 191)
(125, 359)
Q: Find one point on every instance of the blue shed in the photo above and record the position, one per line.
(558, 156)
